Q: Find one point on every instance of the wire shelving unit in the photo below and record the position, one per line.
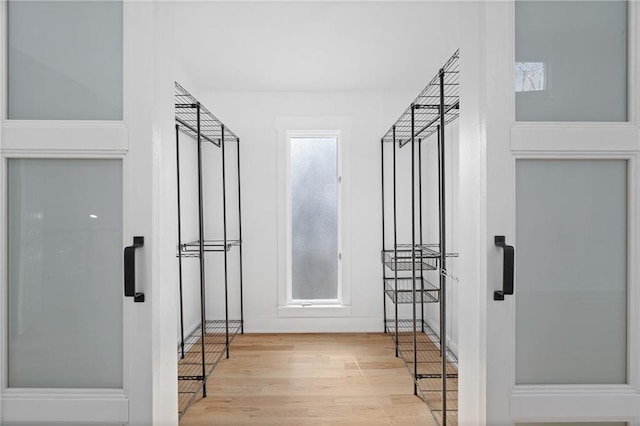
(431, 363)
(202, 349)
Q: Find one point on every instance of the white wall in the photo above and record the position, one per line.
(213, 228)
(430, 189)
(213, 213)
(252, 116)
(189, 231)
(189, 214)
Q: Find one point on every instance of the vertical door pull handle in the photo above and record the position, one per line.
(130, 270)
(507, 268)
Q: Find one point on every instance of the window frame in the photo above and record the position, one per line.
(285, 127)
(310, 134)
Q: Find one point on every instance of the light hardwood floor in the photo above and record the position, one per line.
(310, 379)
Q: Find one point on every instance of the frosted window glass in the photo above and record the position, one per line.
(314, 218)
(65, 60)
(65, 273)
(571, 60)
(571, 271)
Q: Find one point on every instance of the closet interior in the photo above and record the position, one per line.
(416, 253)
(205, 149)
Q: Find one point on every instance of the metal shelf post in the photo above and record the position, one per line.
(202, 349)
(425, 352)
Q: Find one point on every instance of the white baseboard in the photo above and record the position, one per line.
(451, 344)
(314, 325)
(319, 325)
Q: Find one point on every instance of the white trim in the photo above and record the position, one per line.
(3, 210)
(575, 137)
(64, 136)
(4, 284)
(633, 58)
(62, 154)
(3, 61)
(472, 341)
(149, 117)
(65, 405)
(129, 50)
(575, 404)
(317, 310)
(633, 273)
(352, 324)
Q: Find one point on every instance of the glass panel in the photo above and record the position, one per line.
(65, 273)
(65, 60)
(314, 218)
(571, 271)
(571, 60)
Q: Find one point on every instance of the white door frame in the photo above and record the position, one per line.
(144, 140)
(490, 141)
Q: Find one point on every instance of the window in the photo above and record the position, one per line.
(313, 219)
(314, 255)
(530, 76)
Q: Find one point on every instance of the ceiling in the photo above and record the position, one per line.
(348, 46)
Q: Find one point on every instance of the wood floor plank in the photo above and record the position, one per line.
(310, 379)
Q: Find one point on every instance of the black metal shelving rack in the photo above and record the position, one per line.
(432, 365)
(198, 355)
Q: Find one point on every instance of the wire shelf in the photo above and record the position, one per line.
(192, 249)
(405, 328)
(428, 362)
(402, 290)
(426, 107)
(427, 339)
(433, 399)
(406, 262)
(211, 128)
(431, 365)
(427, 355)
(428, 250)
(190, 379)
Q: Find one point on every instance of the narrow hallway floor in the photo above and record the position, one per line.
(310, 379)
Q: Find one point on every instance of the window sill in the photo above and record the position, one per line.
(314, 311)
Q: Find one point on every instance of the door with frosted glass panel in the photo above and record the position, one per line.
(562, 345)
(74, 348)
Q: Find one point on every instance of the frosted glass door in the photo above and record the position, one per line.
(314, 218)
(65, 314)
(65, 59)
(571, 60)
(571, 272)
